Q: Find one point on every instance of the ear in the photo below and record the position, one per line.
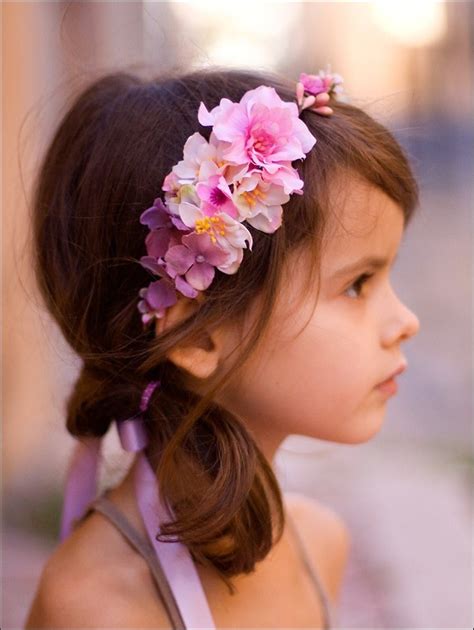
(201, 358)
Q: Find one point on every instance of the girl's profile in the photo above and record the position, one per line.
(301, 333)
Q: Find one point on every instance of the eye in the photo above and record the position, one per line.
(359, 283)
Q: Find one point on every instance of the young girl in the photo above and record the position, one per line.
(266, 220)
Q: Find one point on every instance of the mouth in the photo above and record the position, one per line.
(389, 386)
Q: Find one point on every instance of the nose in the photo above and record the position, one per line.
(401, 325)
(411, 323)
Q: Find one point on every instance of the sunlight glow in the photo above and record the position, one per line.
(413, 23)
(241, 34)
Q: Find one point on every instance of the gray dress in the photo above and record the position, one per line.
(110, 510)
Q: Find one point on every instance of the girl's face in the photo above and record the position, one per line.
(319, 380)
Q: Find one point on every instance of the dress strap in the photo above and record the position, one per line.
(106, 507)
(326, 604)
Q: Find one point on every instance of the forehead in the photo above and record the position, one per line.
(363, 220)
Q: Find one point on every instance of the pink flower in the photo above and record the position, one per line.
(259, 202)
(171, 183)
(200, 160)
(225, 231)
(324, 82)
(261, 129)
(319, 87)
(216, 196)
(287, 177)
(315, 84)
(176, 192)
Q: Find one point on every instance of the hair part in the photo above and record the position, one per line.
(105, 164)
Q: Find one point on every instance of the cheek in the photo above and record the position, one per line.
(305, 384)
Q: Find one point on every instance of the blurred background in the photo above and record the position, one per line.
(406, 495)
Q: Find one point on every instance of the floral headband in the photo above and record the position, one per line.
(243, 173)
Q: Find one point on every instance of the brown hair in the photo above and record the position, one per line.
(104, 166)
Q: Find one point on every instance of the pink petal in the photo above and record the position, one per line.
(232, 121)
(185, 169)
(287, 177)
(204, 191)
(197, 243)
(157, 242)
(236, 152)
(200, 275)
(304, 135)
(216, 256)
(308, 101)
(185, 288)
(160, 294)
(154, 265)
(268, 221)
(178, 260)
(324, 111)
(299, 92)
(322, 98)
(202, 244)
(189, 213)
(204, 117)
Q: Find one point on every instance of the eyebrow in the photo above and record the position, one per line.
(372, 262)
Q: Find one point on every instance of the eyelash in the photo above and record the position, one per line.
(360, 281)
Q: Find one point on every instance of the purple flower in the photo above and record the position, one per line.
(185, 288)
(196, 259)
(156, 298)
(164, 228)
(159, 216)
(155, 265)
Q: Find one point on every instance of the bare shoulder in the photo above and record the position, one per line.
(77, 602)
(326, 536)
(78, 590)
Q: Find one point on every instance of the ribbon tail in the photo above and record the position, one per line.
(175, 557)
(81, 483)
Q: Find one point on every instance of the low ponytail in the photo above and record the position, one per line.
(95, 401)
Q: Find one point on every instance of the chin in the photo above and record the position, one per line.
(361, 428)
(360, 438)
(367, 429)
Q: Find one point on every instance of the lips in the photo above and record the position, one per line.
(401, 368)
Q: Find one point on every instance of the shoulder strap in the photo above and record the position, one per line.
(327, 612)
(106, 507)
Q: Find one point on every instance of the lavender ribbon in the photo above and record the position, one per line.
(81, 483)
(81, 477)
(175, 558)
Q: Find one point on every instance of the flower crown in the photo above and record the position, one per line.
(243, 173)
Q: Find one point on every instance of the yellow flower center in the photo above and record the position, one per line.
(252, 196)
(211, 225)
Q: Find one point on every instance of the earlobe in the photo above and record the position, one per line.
(200, 359)
(199, 362)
